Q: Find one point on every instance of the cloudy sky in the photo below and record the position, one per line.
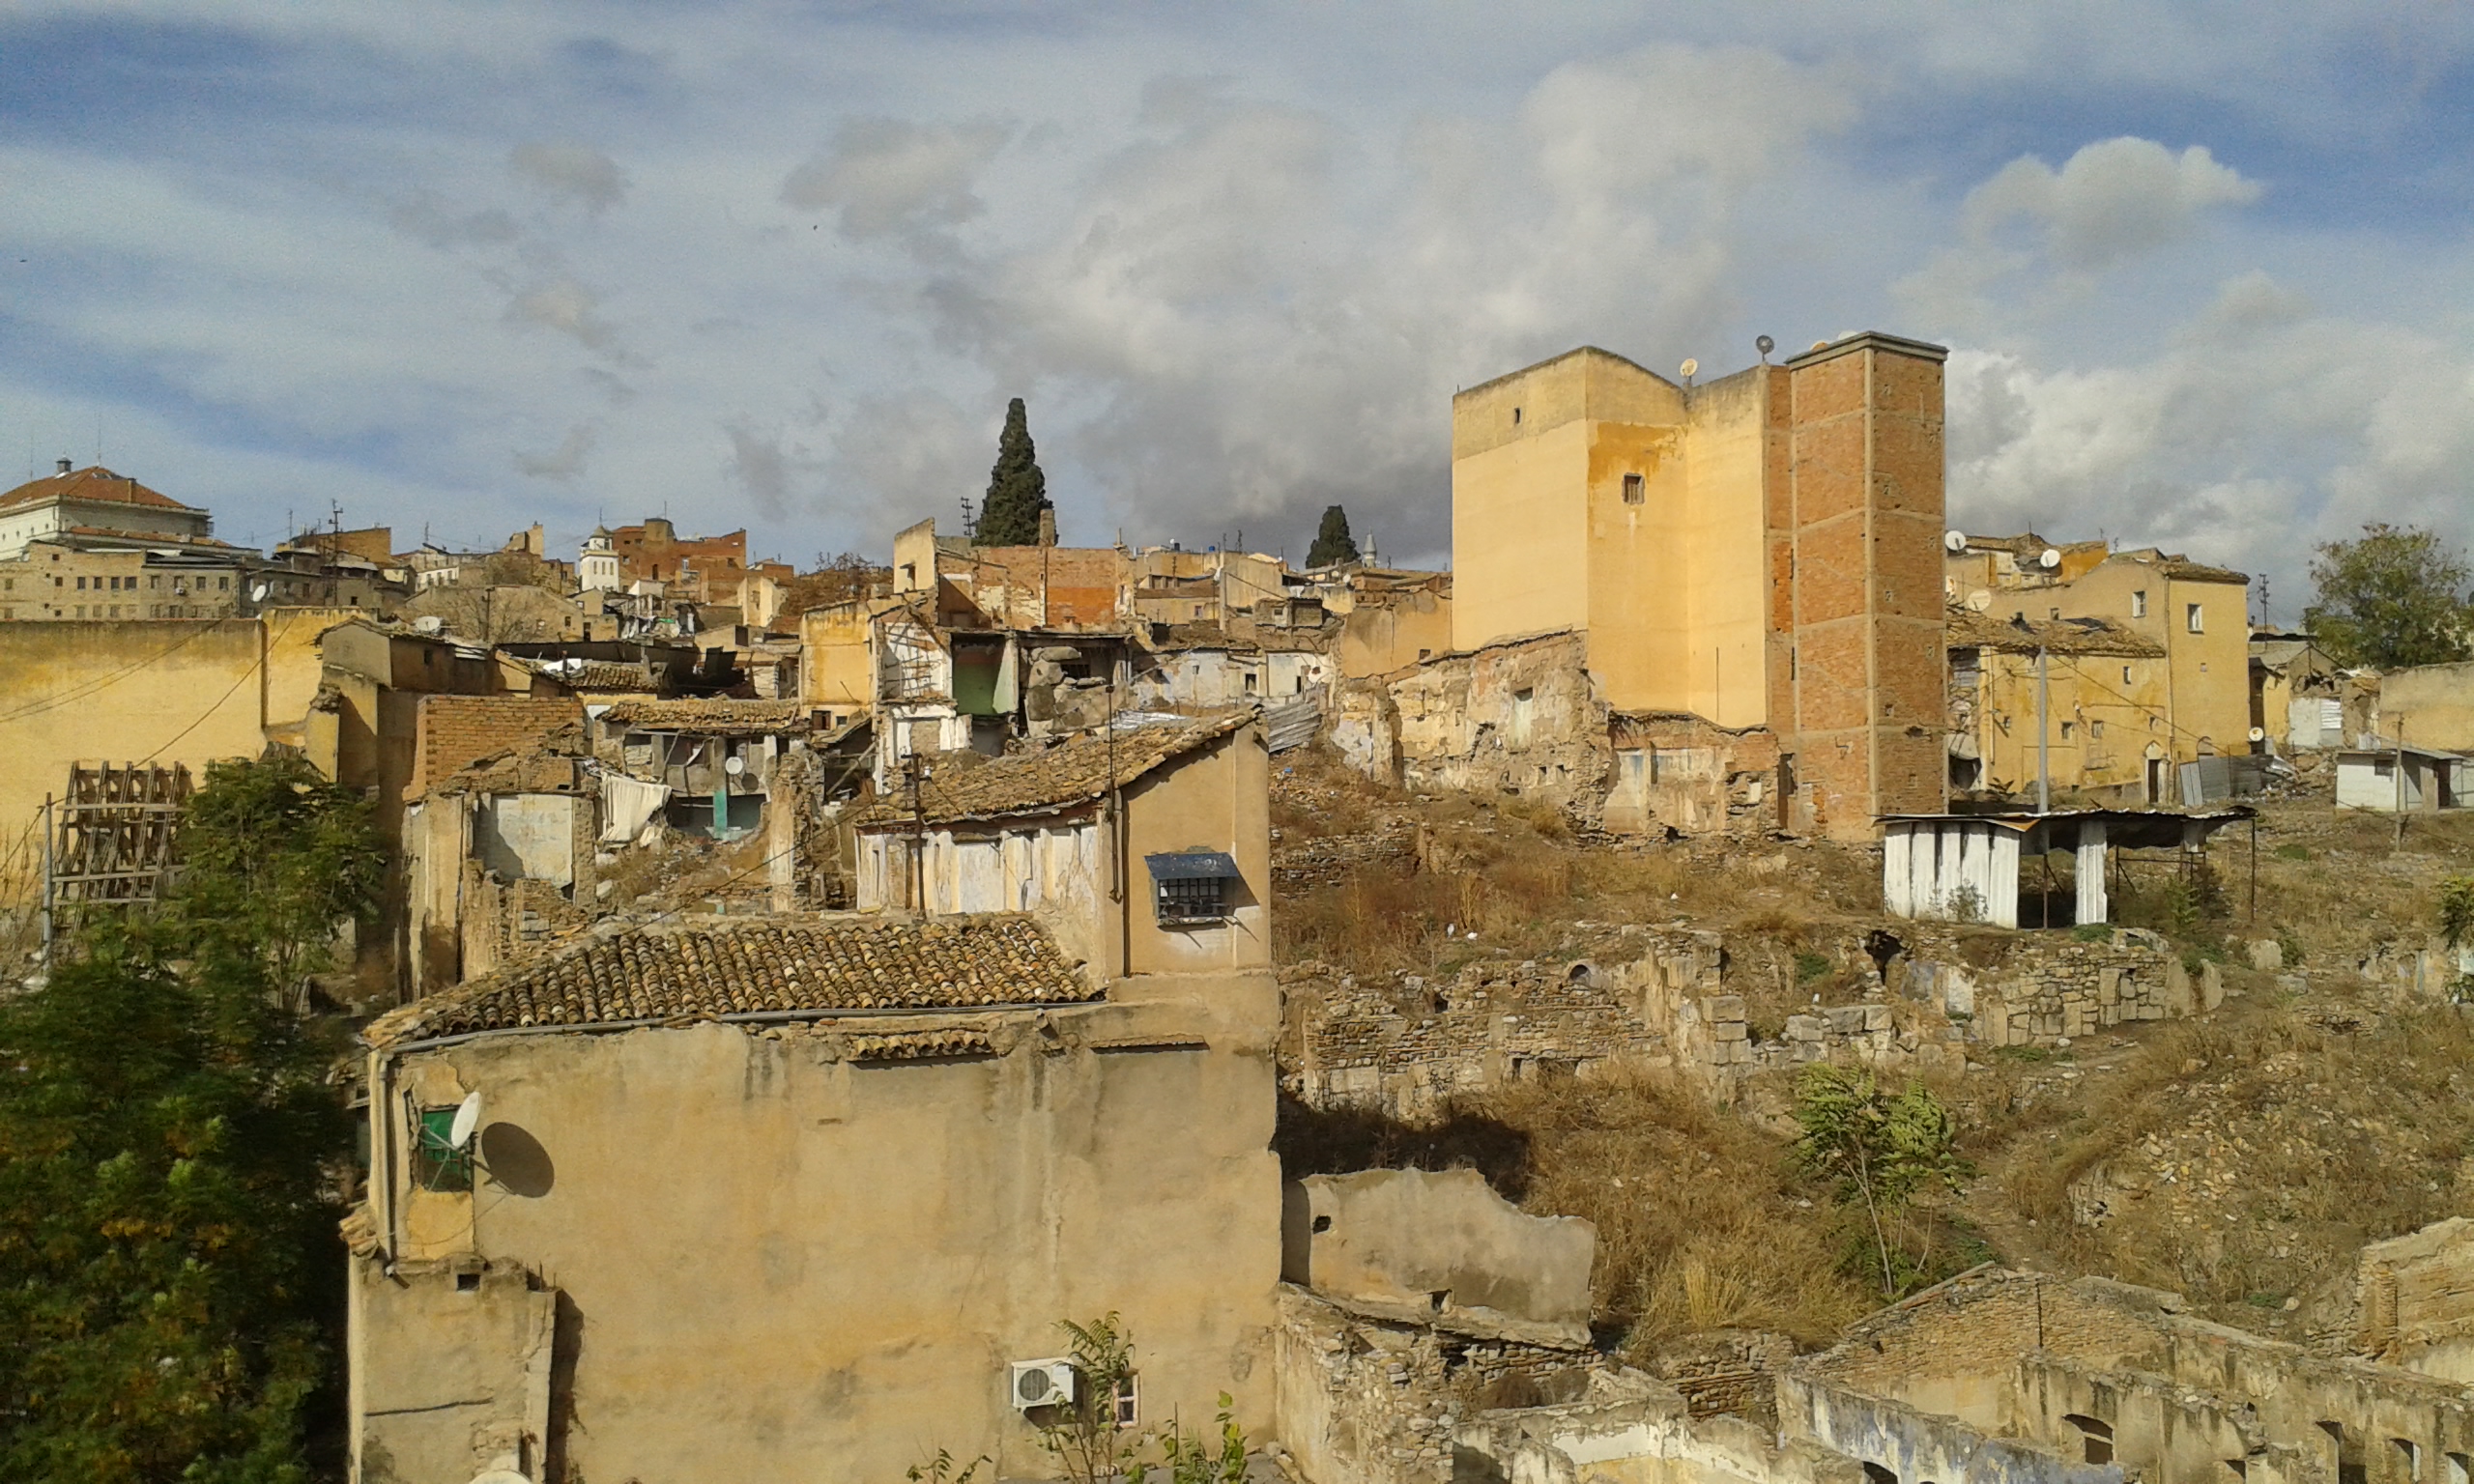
(2205, 270)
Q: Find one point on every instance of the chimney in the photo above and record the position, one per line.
(64, 465)
(1047, 526)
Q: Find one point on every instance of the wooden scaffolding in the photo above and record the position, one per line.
(113, 836)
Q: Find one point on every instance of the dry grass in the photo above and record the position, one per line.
(1702, 1220)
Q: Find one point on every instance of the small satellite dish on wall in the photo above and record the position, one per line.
(734, 766)
(1689, 368)
(1954, 540)
(2048, 558)
(1980, 600)
(468, 1118)
(2258, 734)
(1820, 345)
(258, 594)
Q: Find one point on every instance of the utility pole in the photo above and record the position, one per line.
(2043, 775)
(2401, 785)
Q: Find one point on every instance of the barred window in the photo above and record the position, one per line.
(1194, 886)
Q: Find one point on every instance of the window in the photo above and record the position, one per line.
(81, 585)
(1126, 1404)
(1515, 416)
(1633, 492)
(2139, 604)
(2126, 675)
(1523, 703)
(223, 583)
(436, 1164)
(1249, 683)
(2192, 619)
(2066, 730)
(81, 610)
(1192, 887)
(2096, 732)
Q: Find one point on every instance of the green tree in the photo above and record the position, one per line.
(1331, 540)
(169, 1150)
(1091, 1446)
(274, 858)
(2393, 597)
(1880, 1150)
(1017, 490)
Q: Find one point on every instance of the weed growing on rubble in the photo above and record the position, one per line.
(1094, 1443)
(1881, 1151)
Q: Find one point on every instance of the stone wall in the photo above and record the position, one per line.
(1409, 1043)
(2043, 989)
(1522, 717)
(1365, 1400)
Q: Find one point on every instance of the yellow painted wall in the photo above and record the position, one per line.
(185, 692)
(1377, 639)
(1211, 800)
(1673, 589)
(2098, 725)
(2207, 681)
(834, 669)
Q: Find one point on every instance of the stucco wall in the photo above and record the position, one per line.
(2434, 704)
(1439, 1244)
(781, 1260)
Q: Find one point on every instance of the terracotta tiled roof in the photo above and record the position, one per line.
(1971, 630)
(763, 965)
(95, 483)
(596, 675)
(912, 1045)
(1074, 772)
(718, 715)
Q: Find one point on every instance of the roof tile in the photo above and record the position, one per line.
(1074, 772)
(769, 964)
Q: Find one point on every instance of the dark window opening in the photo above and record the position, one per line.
(1201, 898)
(436, 1164)
(1125, 1405)
(1634, 492)
(468, 1282)
(1322, 1223)
(1875, 1473)
(1193, 887)
(2096, 1438)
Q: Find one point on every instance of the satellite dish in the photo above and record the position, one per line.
(258, 594)
(501, 1476)
(733, 766)
(1689, 367)
(1980, 600)
(2258, 734)
(2048, 558)
(1954, 540)
(468, 1117)
(1820, 345)
(1765, 344)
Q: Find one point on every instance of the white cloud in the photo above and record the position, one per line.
(2111, 201)
(887, 176)
(567, 307)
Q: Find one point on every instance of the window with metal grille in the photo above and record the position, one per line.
(1193, 886)
(436, 1164)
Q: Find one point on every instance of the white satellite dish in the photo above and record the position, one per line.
(468, 1117)
(1690, 368)
(2048, 558)
(2258, 734)
(734, 766)
(1954, 540)
(1979, 600)
(258, 594)
(501, 1476)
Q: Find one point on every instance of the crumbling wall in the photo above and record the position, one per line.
(1369, 1400)
(2414, 1300)
(1522, 717)
(1682, 775)
(467, 1388)
(2046, 988)
(1407, 1044)
(1439, 1245)
(1916, 1447)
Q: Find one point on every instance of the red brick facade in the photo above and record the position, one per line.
(452, 730)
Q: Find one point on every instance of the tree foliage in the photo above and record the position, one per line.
(1090, 1447)
(1879, 1148)
(2393, 597)
(168, 1149)
(1017, 490)
(1333, 542)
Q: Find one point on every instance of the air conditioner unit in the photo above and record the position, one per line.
(1046, 1382)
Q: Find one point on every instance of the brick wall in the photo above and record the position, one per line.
(452, 730)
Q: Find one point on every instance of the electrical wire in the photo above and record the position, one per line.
(90, 687)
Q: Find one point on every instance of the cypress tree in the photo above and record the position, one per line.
(1331, 540)
(1017, 490)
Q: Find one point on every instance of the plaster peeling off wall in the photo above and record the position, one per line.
(1916, 1447)
(1520, 718)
